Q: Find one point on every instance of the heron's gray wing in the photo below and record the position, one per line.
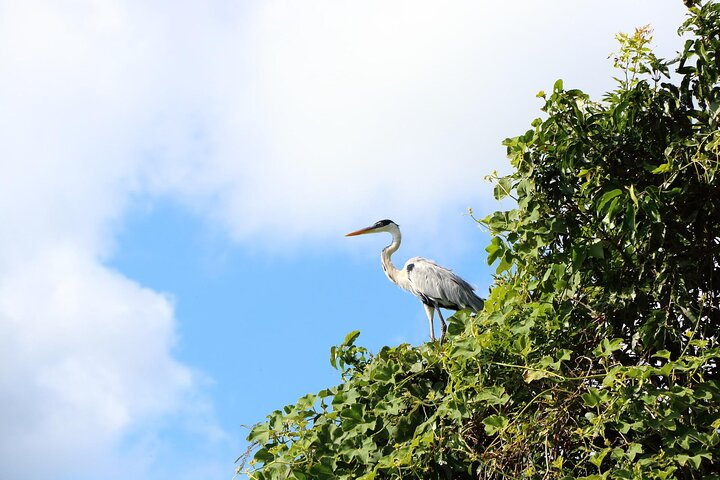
(440, 287)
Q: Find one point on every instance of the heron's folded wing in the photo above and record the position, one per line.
(438, 286)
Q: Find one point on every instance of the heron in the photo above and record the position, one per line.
(435, 286)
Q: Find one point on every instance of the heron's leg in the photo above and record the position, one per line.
(430, 312)
(443, 327)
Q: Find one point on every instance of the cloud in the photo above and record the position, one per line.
(86, 358)
(326, 115)
(339, 113)
(283, 121)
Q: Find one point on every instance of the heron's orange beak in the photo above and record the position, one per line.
(362, 231)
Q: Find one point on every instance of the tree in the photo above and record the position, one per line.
(596, 355)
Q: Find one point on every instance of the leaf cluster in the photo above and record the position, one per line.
(596, 355)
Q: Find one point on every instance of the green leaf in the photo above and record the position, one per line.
(599, 456)
(353, 412)
(522, 345)
(495, 249)
(633, 450)
(579, 253)
(494, 423)
(505, 262)
(629, 223)
(662, 354)
(594, 397)
(532, 374)
(634, 198)
(263, 455)
(333, 356)
(502, 188)
(493, 396)
(694, 460)
(607, 347)
(607, 197)
(662, 168)
(596, 250)
(351, 337)
(382, 374)
(260, 434)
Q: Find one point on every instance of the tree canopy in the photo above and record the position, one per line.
(596, 355)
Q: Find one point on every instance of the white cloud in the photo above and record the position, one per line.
(282, 121)
(86, 358)
(87, 354)
(327, 115)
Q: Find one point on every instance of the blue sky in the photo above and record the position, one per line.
(178, 178)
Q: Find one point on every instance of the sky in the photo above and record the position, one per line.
(178, 177)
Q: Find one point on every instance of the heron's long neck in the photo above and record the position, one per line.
(386, 257)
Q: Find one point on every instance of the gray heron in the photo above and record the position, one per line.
(435, 286)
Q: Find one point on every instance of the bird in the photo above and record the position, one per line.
(437, 287)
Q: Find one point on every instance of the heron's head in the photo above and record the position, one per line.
(378, 227)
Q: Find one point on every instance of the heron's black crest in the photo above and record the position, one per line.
(383, 223)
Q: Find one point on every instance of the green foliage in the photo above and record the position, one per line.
(596, 355)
